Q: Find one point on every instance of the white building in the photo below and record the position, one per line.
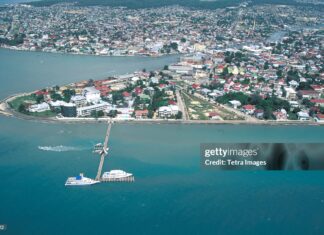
(57, 103)
(87, 110)
(79, 100)
(303, 116)
(168, 111)
(181, 68)
(37, 108)
(290, 93)
(91, 94)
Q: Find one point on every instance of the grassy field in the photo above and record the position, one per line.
(20, 100)
(14, 104)
(198, 109)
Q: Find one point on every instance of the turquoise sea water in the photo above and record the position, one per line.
(172, 194)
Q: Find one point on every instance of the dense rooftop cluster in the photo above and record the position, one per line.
(119, 31)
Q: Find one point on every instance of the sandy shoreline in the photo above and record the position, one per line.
(9, 112)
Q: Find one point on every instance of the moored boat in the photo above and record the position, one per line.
(80, 180)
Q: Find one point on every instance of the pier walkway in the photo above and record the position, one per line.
(104, 153)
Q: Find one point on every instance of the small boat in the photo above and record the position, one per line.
(100, 149)
(115, 174)
(80, 180)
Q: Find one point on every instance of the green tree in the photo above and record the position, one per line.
(112, 113)
(174, 46)
(179, 115)
(39, 99)
(22, 108)
(100, 113)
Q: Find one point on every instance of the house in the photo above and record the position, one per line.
(309, 94)
(290, 93)
(205, 91)
(41, 93)
(249, 109)
(303, 116)
(37, 108)
(139, 114)
(319, 118)
(195, 86)
(294, 104)
(318, 88)
(127, 95)
(138, 90)
(144, 97)
(91, 94)
(318, 102)
(259, 113)
(168, 111)
(214, 116)
(293, 84)
(280, 115)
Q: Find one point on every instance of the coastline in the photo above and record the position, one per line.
(6, 110)
(13, 48)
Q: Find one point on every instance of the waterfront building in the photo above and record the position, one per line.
(249, 109)
(87, 110)
(303, 116)
(168, 111)
(319, 118)
(42, 107)
(139, 114)
(69, 110)
(79, 100)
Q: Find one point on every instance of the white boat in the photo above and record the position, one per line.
(115, 174)
(99, 148)
(80, 180)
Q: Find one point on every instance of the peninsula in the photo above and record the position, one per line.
(237, 65)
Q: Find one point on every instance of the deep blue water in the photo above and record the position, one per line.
(172, 194)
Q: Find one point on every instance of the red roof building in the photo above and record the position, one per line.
(41, 93)
(172, 102)
(195, 86)
(141, 113)
(126, 94)
(138, 90)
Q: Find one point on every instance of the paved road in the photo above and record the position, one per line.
(182, 106)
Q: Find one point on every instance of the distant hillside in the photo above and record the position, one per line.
(137, 4)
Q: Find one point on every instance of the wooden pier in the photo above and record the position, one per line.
(127, 179)
(103, 153)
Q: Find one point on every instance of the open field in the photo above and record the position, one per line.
(28, 99)
(199, 109)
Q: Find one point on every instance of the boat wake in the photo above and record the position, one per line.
(60, 148)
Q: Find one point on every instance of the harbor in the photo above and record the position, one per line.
(111, 176)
